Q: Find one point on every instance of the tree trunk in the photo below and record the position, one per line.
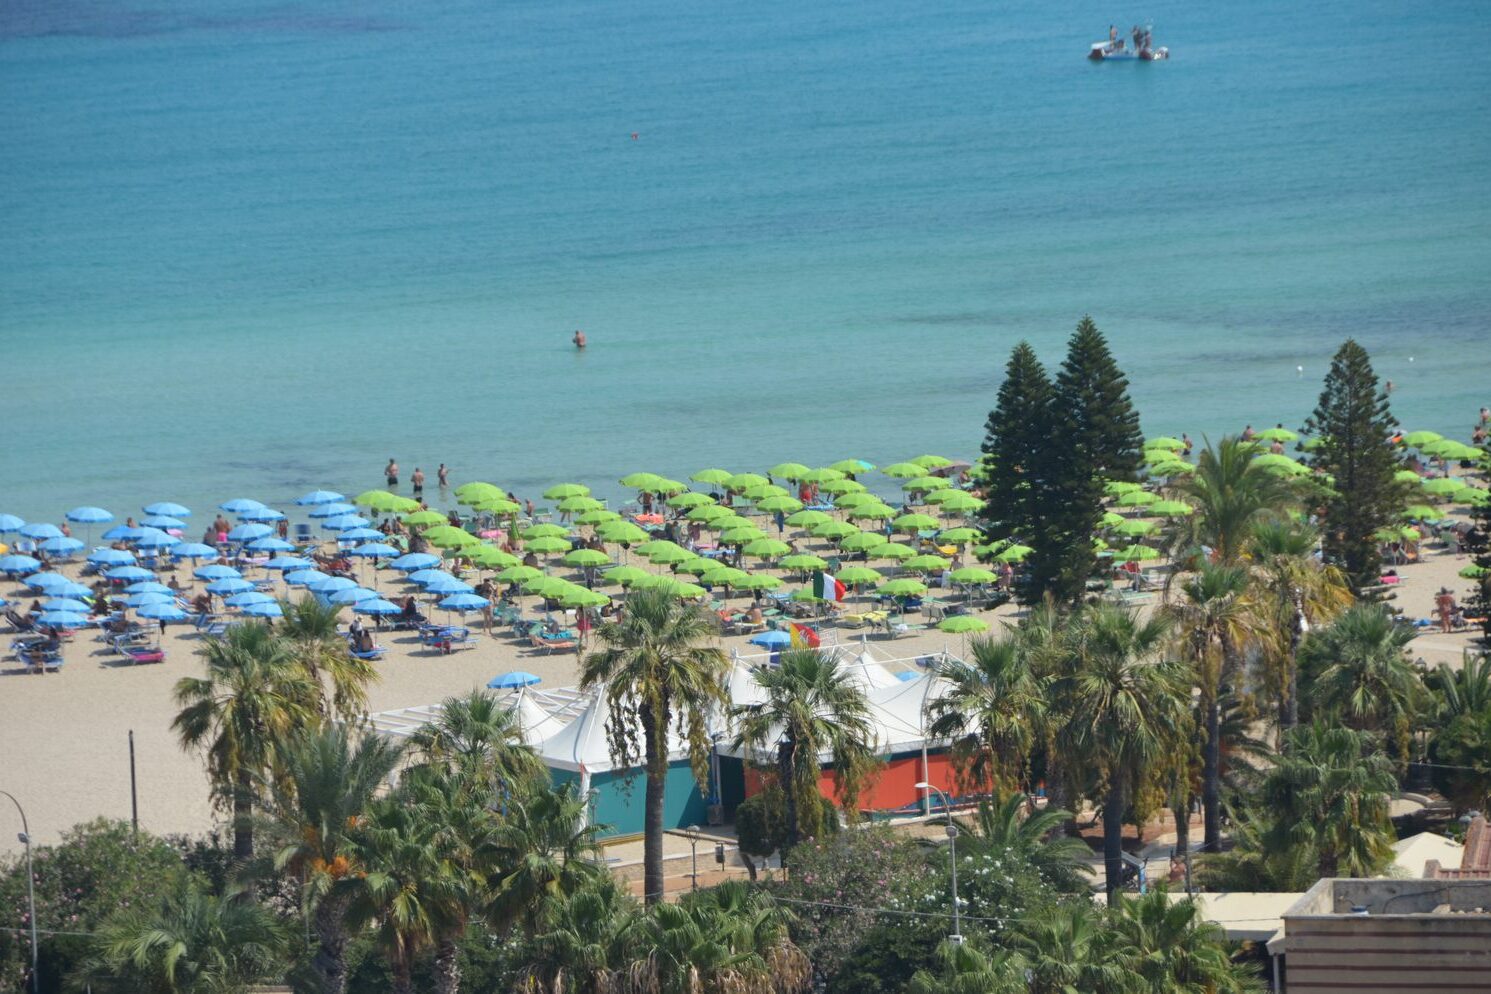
(402, 976)
(447, 966)
(1290, 718)
(330, 961)
(1211, 777)
(655, 736)
(789, 795)
(243, 810)
(1113, 838)
(1182, 813)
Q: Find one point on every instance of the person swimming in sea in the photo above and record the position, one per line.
(579, 339)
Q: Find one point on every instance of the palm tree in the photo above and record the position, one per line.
(477, 736)
(1294, 592)
(730, 939)
(1254, 863)
(583, 943)
(1010, 826)
(1463, 691)
(1214, 621)
(1168, 947)
(329, 785)
(400, 883)
(1330, 791)
(1462, 731)
(185, 942)
(1067, 950)
(1231, 496)
(811, 708)
(1361, 675)
(310, 629)
(962, 969)
(543, 851)
(251, 701)
(1123, 709)
(993, 712)
(657, 670)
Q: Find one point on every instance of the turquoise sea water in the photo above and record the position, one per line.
(256, 248)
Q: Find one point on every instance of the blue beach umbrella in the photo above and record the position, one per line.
(166, 507)
(111, 557)
(514, 680)
(331, 585)
(162, 612)
(771, 640)
(343, 522)
(239, 504)
(448, 585)
(269, 543)
(464, 602)
(154, 538)
(268, 609)
(229, 585)
(193, 550)
(17, 563)
(123, 533)
(70, 589)
(424, 576)
(248, 599)
(147, 598)
(130, 573)
(360, 535)
(247, 533)
(333, 510)
(89, 515)
(46, 581)
(375, 550)
(316, 497)
(415, 561)
(62, 619)
(304, 577)
(215, 571)
(376, 605)
(261, 514)
(62, 545)
(352, 595)
(64, 604)
(10, 523)
(149, 587)
(288, 564)
(163, 522)
(40, 531)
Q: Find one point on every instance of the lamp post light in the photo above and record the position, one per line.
(25, 837)
(694, 857)
(952, 853)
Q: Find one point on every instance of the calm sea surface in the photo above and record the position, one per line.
(249, 249)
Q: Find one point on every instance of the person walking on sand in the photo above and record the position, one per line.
(417, 479)
(442, 476)
(579, 339)
(391, 472)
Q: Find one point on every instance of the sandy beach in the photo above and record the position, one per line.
(64, 737)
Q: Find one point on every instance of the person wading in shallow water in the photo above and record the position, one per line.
(391, 472)
(579, 339)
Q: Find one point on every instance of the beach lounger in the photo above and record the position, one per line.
(41, 660)
(144, 654)
(554, 644)
(19, 623)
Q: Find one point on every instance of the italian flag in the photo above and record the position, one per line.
(828, 588)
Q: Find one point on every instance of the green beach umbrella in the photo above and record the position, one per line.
(1438, 446)
(519, 574)
(808, 518)
(546, 586)
(562, 490)
(545, 531)
(956, 501)
(744, 481)
(962, 624)
(842, 487)
(906, 470)
(697, 566)
(1471, 495)
(789, 470)
(759, 581)
(1420, 512)
(802, 561)
(1013, 553)
(1311, 444)
(423, 519)
(1443, 486)
(586, 557)
(925, 563)
(763, 490)
(1171, 508)
(1117, 488)
(858, 575)
(599, 516)
(1111, 519)
(581, 597)
(1165, 442)
(497, 505)
(892, 550)
(1276, 435)
(620, 531)
(780, 502)
(689, 498)
(640, 481)
(766, 548)
(1137, 498)
(806, 595)
(959, 536)
(741, 534)
(624, 575)
(672, 557)
(709, 512)
(574, 504)
(822, 475)
(450, 537)
(973, 575)
(1169, 468)
(1418, 439)
(714, 476)
(726, 576)
(1136, 553)
(655, 545)
(1461, 452)
(728, 522)
(488, 557)
(926, 483)
(469, 493)
(1407, 476)
(871, 512)
(1474, 572)
(932, 462)
(852, 466)
(1280, 463)
(914, 522)
(666, 486)
(848, 502)
(833, 529)
(902, 587)
(1134, 529)
(862, 541)
(547, 546)
(685, 591)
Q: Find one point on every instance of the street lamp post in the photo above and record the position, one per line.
(25, 837)
(694, 857)
(952, 853)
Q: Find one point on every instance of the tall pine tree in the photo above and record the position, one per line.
(1016, 437)
(1478, 544)
(1355, 426)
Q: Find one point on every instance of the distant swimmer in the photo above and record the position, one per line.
(635, 136)
(579, 339)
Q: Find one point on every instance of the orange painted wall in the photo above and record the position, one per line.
(893, 787)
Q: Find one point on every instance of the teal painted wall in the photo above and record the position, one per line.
(620, 804)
